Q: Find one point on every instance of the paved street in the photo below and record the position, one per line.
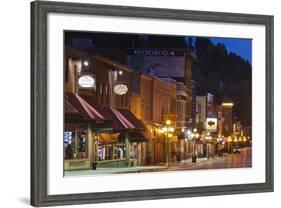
(227, 161)
(241, 160)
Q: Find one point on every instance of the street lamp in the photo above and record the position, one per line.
(189, 138)
(194, 135)
(236, 140)
(229, 140)
(208, 138)
(167, 130)
(220, 143)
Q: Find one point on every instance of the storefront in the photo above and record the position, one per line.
(95, 134)
(110, 151)
(76, 146)
(77, 139)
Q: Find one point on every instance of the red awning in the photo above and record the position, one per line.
(91, 111)
(133, 120)
(77, 108)
(121, 119)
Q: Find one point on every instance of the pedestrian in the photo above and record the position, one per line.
(68, 152)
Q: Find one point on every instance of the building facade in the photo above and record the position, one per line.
(100, 129)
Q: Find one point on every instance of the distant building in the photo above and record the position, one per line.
(167, 63)
(225, 118)
(153, 100)
(204, 109)
(182, 96)
(201, 112)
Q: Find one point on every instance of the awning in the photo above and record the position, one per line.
(182, 93)
(132, 119)
(121, 119)
(137, 137)
(134, 137)
(147, 134)
(157, 124)
(76, 108)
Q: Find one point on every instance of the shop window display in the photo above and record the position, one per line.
(75, 145)
(111, 151)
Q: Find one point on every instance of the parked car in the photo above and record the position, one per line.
(236, 149)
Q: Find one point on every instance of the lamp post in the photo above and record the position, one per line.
(194, 135)
(189, 138)
(167, 130)
(229, 140)
(236, 141)
(220, 143)
(208, 139)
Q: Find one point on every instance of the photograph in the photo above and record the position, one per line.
(138, 103)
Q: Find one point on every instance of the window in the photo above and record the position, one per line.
(111, 151)
(134, 150)
(75, 145)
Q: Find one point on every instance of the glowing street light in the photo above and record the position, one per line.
(171, 129)
(168, 122)
(167, 130)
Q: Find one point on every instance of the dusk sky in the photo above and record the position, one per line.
(239, 46)
(242, 47)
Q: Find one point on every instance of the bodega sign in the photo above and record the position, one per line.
(155, 52)
(120, 89)
(87, 81)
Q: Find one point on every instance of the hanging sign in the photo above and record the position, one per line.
(87, 81)
(211, 124)
(120, 89)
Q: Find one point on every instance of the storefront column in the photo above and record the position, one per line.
(90, 145)
(127, 148)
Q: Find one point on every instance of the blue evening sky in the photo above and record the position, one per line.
(242, 47)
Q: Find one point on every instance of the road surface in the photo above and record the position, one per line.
(242, 160)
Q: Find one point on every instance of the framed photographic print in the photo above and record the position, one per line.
(131, 103)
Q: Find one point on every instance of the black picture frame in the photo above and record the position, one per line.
(39, 12)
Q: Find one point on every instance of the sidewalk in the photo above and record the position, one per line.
(198, 160)
(105, 171)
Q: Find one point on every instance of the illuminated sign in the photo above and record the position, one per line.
(87, 81)
(157, 62)
(155, 52)
(211, 124)
(120, 89)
